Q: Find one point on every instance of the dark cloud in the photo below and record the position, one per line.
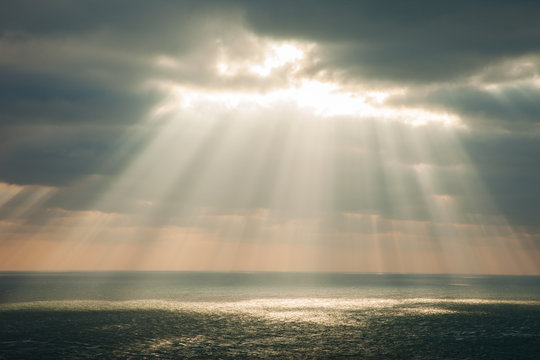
(513, 108)
(56, 129)
(53, 99)
(414, 41)
(70, 84)
(417, 41)
(137, 26)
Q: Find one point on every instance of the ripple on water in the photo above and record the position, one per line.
(272, 328)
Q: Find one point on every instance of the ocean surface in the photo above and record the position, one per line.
(175, 315)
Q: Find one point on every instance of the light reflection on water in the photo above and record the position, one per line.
(170, 316)
(317, 310)
(272, 328)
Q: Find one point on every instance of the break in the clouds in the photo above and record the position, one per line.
(270, 135)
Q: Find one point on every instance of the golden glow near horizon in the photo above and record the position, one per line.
(228, 137)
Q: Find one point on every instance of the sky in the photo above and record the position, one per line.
(350, 136)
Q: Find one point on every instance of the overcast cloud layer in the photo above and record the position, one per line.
(111, 107)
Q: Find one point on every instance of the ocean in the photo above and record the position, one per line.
(205, 315)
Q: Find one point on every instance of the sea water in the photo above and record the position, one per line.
(174, 315)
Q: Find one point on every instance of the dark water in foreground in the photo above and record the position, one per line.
(141, 315)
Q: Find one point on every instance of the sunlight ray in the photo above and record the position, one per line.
(249, 170)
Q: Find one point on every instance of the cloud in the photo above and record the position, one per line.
(77, 79)
(320, 115)
(416, 41)
(163, 26)
(503, 108)
(45, 99)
